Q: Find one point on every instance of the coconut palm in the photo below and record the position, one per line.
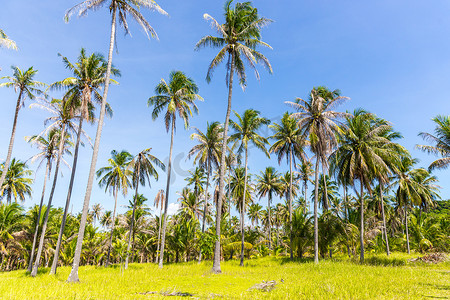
(268, 185)
(23, 83)
(238, 38)
(114, 177)
(288, 142)
(305, 171)
(176, 97)
(441, 142)
(318, 123)
(143, 167)
(254, 213)
(120, 8)
(17, 182)
(6, 42)
(97, 212)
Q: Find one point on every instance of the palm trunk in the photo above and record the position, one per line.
(169, 170)
(316, 224)
(132, 217)
(306, 195)
(346, 219)
(11, 141)
(36, 230)
(290, 204)
(216, 263)
(205, 206)
(325, 194)
(361, 233)
(69, 194)
(50, 199)
(159, 231)
(406, 228)
(384, 219)
(73, 277)
(113, 224)
(269, 237)
(243, 208)
(228, 195)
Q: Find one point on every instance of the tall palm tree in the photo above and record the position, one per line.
(318, 123)
(288, 142)
(362, 155)
(63, 114)
(114, 177)
(176, 97)
(245, 133)
(238, 38)
(305, 171)
(254, 213)
(17, 182)
(120, 8)
(268, 185)
(6, 42)
(197, 180)
(441, 142)
(159, 201)
(23, 83)
(207, 155)
(97, 212)
(87, 81)
(143, 168)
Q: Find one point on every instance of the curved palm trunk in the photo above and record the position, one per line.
(169, 170)
(406, 228)
(159, 232)
(113, 224)
(290, 204)
(205, 206)
(73, 276)
(216, 263)
(361, 233)
(50, 199)
(316, 224)
(11, 141)
(243, 208)
(69, 194)
(36, 230)
(384, 219)
(132, 216)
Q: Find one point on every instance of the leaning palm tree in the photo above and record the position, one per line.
(288, 142)
(120, 8)
(441, 142)
(207, 155)
(6, 42)
(17, 184)
(114, 177)
(268, 185)
(238, 38)
(317, 123)
(245, 133)
(24, 84)
(143, 168)
(176, 97)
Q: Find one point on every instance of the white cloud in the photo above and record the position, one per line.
(172, 209)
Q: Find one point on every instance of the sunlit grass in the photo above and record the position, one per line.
(380, 278)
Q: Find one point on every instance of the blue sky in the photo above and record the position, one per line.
(390, 57)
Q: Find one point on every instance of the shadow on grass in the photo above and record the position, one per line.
(439, 287)
(382, 261)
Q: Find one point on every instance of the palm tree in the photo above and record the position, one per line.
(317, 122)
(254, 213)
(440, 141)
(361, 156)
(17, 183)
(6, 42)
(120, 8)
(268, 185)
(176, 97)
(305, 171)
(288, 142)
(115, 177)
(27, 87)
(197, 179)
(207, 155)
(159, 201)
(241, 193)
(143, 167)
(239, 37)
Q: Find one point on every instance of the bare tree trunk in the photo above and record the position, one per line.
(361, 234)
(36, 230)
(316, 224)
(134, 211)
(205, 205)
(11, 141)
(69, 194)
(216, 262)
(384, 219)
(49, 205)
(159, 231)
(325, 193)
(228, 195)
(73, 276)
(346, 218)
(406, 228)
(169, 170)
(113, 224)
(290, 204)
(243, 209)
(269, 216)
(306, 195)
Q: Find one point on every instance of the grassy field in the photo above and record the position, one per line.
(380, 278)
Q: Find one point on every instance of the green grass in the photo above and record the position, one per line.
(380, 278)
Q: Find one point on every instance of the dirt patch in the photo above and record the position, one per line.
(432, 258)
(265, 286)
